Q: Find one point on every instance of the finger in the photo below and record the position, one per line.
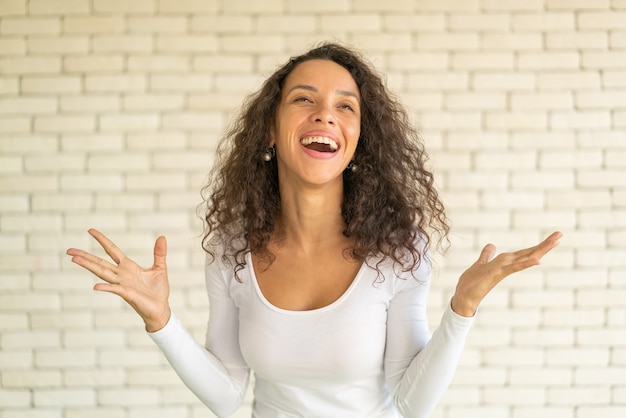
(160, 252)
(109, 246)
(486, 254)
(97, 266)
(541, 249)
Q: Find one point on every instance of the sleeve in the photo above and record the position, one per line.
(418, 367)
(217, 373)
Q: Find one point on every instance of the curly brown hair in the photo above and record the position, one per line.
(391, 208)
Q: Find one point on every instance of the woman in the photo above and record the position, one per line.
(318, 221)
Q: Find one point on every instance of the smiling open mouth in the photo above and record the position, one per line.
(319, 143)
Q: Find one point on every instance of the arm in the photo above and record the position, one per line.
(419, 368)
(217, 373)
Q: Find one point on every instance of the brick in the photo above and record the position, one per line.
(189, 43)
(503, 81)
(448, 6)
(94, 24)
(77, 339)
(512, 200)
(158, 63)
(129, 122)
(14, 203)
(601, 258)
(303, 24)
(547, 21)
(391, 6)
(320, 6)
(578, 199)
(548, 60)
(15, 125)
(193, 121)
(601, 20)
(96, 412)
(30, 26)
(437, 81)
(92, 142)
(224, 63)
(9, 86)
(568, 81)
(94, 63)
(544, 101)
(577, 40)
(156, 141)
(414, 22)
(187, 6)
(511, 41)
(128, 397)
(12, 7)
(122, 43)
(483, 61)
(178, 83)
(30, 65)
(576, 4)
(60, 7)
(574, 159)
(445, 120)
(14, 359)
(12, 46)
(34, 143)
(10, 164)
(63, 397)
(121, 6)
(84, 182)
(475, 101)
(418, 61)
(513, 5)
(542, 219)
(449, 41)
(516, 120)
(115, 83)
(601, 99)
(157, 24)
(127, 357)
(30, 183)
(617, 40)
(94, 378)
(82, 222)
(384, 42)
(90, 104)
(31, 378)
(544, 180)
(592, 218)
(580, 120)
(60, 123)
(67, 45)
(154, 102)
(483, 22)
(604, 60)
(352, 23)
(53, 163)
(222, 24)
(57, 84)
(116, 162)
(28, 105)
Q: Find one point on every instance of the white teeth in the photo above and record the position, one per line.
(320, 140)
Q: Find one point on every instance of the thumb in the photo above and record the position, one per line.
(160, 252)
(486, 254)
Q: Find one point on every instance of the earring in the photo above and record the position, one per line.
(269, 154)
(351, 166)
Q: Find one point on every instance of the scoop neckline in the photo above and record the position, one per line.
(275, 308)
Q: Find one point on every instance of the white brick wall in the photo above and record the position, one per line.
(109, 114)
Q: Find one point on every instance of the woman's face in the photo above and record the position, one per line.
(317, 124)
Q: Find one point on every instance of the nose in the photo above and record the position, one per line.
(324, 114)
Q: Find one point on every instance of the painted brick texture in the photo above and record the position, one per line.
(109, 116)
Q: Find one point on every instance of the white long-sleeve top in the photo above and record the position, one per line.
(368, 354)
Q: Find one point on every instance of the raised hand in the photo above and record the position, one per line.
(482, 276)
(146, 290)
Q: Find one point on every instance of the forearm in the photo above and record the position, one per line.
(220, 386)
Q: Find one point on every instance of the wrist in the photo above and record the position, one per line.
(461, 307)
(156, 324)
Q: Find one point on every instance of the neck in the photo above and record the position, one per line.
(311, 217)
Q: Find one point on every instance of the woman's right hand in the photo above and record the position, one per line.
(146, 290)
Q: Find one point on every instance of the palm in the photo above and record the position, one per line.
(146, 290)
(482, 276)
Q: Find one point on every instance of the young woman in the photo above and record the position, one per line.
(319, 216)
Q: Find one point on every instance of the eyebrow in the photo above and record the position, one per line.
(314, 89)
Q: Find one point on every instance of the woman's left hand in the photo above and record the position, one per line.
(478, 280)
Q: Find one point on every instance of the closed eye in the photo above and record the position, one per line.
(302, 99)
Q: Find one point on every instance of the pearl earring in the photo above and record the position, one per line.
(269, 154)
